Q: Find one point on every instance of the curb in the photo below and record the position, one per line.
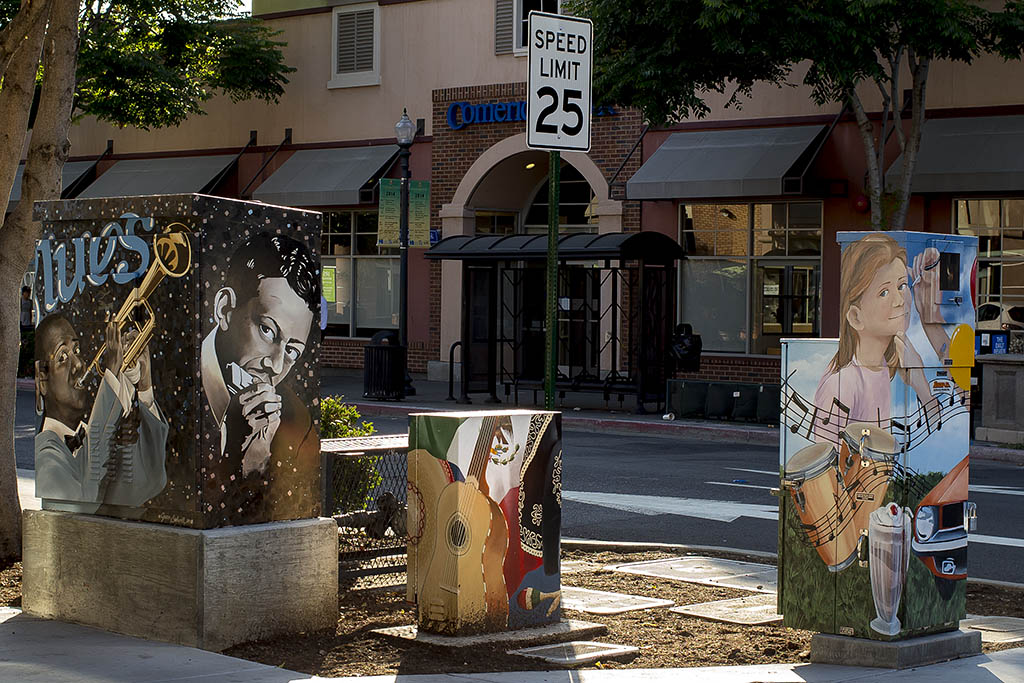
(639, 547)
(699, 431)
(692, 430)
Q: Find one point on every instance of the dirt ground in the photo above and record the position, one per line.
(665, 639)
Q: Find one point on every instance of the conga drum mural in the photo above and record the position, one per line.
(873, 458)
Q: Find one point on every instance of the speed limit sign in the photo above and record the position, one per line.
(559, 105)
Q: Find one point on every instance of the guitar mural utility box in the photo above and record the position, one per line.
(875, 428)
(485, 508)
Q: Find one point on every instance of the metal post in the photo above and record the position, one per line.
(550, 347)
(403, 272)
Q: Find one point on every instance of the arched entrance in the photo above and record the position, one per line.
(503, 192)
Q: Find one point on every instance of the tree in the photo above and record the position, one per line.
(143, 63)
(665, 56)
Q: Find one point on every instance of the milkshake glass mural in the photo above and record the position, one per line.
(176, 360)
(875, 433)
(485, 500)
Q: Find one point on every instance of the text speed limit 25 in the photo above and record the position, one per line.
(559, 106)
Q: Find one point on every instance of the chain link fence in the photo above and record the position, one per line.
(365, 491)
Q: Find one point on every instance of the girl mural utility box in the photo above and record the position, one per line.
(176, 360)
(485, 509)
(873, 515)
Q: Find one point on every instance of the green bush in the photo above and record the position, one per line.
(353, 478)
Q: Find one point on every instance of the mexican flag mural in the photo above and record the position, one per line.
(485, 508)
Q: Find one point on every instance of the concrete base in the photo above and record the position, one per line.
(437, 371)
(896, 654)
(208, 589)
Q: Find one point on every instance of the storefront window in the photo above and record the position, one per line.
(999, 227)
(575, 212)
(768, 286)
(365, 294)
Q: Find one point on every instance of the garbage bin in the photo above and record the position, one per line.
(384, 367)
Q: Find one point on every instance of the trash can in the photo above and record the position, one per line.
(384, 367)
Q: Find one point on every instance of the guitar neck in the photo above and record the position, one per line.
(483, 447)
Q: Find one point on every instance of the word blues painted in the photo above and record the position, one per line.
(94, 260)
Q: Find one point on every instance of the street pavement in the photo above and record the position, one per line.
(660, 487)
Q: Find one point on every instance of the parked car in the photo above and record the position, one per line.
(993, 316)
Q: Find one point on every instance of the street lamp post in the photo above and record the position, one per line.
(405, 132)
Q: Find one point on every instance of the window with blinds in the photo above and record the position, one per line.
(356, 46)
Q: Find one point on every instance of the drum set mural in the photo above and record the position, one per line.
(879, 405)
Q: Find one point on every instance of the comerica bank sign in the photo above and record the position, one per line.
(462, 114)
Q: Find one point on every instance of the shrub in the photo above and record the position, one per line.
(353, 478)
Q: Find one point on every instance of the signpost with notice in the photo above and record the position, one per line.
(559, 110)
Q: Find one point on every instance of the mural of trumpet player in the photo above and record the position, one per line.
(106, 448)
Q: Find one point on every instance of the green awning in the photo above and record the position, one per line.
(325, 177)
(968, 154)
(747, 162)
(168, 175)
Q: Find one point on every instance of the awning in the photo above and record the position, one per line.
(652, 247)
(72, 170)
(169, 175)
(974, 154)
(325, 177)
(749, 162)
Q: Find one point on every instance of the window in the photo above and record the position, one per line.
(356, 46)
(575, 205)
(999, 226)
(523, 9)
(366, 286)
(512, 23)
(753, 273)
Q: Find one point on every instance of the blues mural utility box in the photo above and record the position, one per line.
(176, 359)
(875, 433)
(485, 510)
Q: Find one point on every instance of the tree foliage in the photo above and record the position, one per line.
(666, 56)
(150, 64)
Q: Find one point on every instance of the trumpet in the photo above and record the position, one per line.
(172, 257)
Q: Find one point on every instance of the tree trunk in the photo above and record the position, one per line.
(867, 138)
(42, 180)
(919, 75)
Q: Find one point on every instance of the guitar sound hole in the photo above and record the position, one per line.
(457, 533)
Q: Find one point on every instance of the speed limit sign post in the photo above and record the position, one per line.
(558, 118)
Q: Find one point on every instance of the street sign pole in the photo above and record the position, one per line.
(551, 338)
(559, 110)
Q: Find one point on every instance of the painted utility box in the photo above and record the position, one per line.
(485, 510)
(177, 360)
(873, 514)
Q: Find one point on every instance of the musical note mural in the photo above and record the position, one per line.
(875, 435)
(127, 290)
(485, 501)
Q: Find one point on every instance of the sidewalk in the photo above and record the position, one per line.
(33, 649)
(586, 412)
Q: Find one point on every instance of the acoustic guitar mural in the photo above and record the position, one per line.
(484, 518)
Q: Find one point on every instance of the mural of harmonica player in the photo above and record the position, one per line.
(263, 316)
(112, 453)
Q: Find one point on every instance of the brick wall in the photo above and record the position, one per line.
(736, 368)
(339, 352)
(454, 151)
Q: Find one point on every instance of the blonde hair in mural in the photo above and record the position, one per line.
(861, 260)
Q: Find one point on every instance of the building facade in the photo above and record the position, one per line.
(754, 195)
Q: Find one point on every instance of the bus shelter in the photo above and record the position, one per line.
(615, 314)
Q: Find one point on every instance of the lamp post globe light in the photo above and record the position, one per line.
(405, 132)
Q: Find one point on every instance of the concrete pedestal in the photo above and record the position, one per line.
(209, 589)
(896, 654)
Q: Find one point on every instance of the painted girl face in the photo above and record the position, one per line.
(883, 310)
